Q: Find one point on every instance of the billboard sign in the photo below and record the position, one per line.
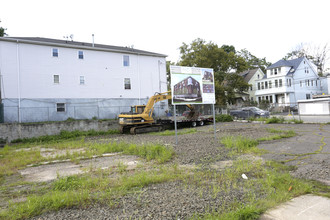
(192, 85)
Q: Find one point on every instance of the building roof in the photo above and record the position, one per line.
(82, 45)
(248, 74)
(290, 63)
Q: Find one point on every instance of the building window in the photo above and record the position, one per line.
(301, 83)
(308, 96)
(258, 76)
(271, 72)
(271, 99)
(251, 88)
(127, 82)
(306, 70)
(60, 107)
(56, 79)
(82, 80)
(266, 85)
(258, 86)
(275, 71)
(279, 70)
(262, 85)
(312, 82)
(280, 82)
(315, 82)
(126, 60)
(270, 84)
(81, 55)
(55, 52)
(276, 83)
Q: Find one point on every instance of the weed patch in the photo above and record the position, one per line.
(172, 132)
(64, 135)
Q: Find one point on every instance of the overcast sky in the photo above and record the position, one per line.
(266, 28)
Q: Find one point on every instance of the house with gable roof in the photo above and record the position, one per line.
(250, 76)
(288, 81)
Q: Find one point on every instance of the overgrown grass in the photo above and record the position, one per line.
(268, 185)
(275, 120)
(156, 152)
(172, 132)
(279, 135)
(64, 135)
(240, 144)
(14, 158)
(85, 189)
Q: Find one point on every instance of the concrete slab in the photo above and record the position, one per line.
(306, 207)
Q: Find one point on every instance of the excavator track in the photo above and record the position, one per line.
(146, 129)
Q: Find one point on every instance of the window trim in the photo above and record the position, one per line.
(81, 80)
(58, 108)
(57, 53)
(56, 82)
(126, 62)
(130, 84)
(80, 56)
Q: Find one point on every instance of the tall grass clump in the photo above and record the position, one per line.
(157, 152)
(275, 120)
(239, 143)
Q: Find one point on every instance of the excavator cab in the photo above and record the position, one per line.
(137, 109)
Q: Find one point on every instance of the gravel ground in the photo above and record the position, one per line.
(175, 200)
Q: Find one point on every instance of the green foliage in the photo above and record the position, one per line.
(275, 120)
(64, 135)
(2, 31)
(240, 144)
(156, 152)
(73, 191)
(172, 132)
(279, 135)
(223, 118)
(296, 121)
(253, 61)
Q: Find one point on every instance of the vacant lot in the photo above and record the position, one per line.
(245, 170)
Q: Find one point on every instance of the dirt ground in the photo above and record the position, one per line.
(309, 151)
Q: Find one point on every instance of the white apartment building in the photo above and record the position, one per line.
(44, 79)
(288, 81)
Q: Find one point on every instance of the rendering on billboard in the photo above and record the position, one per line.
(192, 85)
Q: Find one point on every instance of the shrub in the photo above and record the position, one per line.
(223, 118)
(275, 120)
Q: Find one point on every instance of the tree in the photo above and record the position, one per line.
(2, 31)
(223, 60)
(319, 55)
(253, 61)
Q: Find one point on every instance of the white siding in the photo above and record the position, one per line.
(103, 71)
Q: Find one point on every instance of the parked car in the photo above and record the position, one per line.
(249, 112)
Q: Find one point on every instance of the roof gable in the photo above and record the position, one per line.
(248, 74)
(290, 63)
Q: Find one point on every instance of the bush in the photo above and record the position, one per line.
(223, 118)
(275, 120)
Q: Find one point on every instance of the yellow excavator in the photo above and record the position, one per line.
(140, 118)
